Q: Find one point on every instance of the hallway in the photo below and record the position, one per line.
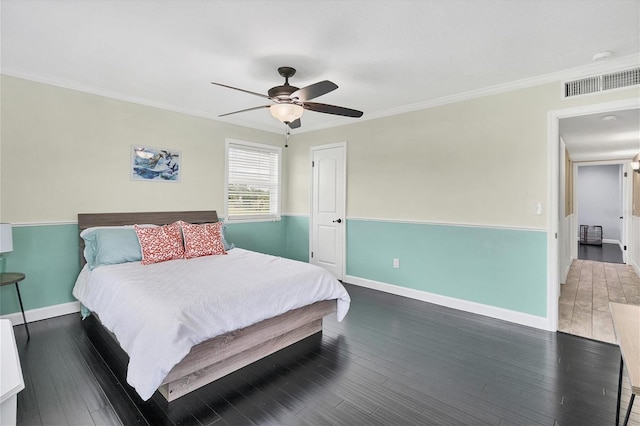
(584, 300)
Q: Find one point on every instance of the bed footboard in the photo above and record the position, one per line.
(222, 355)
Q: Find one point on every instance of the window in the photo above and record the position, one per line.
(253, 181)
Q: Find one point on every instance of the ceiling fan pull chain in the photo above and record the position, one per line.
(287, 133)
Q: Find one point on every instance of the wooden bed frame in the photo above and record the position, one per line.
(224, 354)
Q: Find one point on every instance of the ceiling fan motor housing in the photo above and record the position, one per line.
(282, 92)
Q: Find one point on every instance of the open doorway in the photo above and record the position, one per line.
(595, 195)
(600, 202)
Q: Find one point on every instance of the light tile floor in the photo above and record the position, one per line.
(584, 298)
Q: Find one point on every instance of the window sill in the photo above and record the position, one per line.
(254, 219)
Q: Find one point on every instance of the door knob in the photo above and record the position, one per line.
(337, 220)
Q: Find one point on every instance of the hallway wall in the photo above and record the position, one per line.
(599, 193)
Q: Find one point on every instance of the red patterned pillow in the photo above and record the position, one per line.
(202, 240)
(161, 243)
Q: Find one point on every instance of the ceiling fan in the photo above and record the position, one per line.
(290, 101)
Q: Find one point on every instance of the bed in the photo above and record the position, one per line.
(182, 333)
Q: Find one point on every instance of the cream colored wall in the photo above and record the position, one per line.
(65, 152)
(481, 161)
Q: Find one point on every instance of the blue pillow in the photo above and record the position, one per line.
(89, 238)
(89, 248)
(227, 246)
(110, 246)
(115, 246)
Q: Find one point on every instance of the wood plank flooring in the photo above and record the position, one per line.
(391, 361)
(583, 307)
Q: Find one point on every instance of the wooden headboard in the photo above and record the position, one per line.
(89, 220)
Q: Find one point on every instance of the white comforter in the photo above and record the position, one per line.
(158, 312)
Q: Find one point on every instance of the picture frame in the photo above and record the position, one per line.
(152, 164)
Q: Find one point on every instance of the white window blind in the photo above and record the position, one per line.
(253, 181)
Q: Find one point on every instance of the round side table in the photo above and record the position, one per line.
(14, 278)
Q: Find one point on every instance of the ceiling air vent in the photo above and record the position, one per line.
(599, 83)
(621, 79)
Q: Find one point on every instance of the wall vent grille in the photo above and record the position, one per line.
(600, 83)
(621, 79)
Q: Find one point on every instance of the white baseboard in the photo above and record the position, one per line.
(609, 241)
(43, 313)
(566, 272)
(450, 302)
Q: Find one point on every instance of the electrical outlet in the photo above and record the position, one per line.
(396, 263)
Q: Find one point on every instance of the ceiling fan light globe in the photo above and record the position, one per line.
(286, 112)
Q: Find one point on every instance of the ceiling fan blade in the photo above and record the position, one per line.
(295, 124)
(241, 90)
(332, 109)
(313, 91)
(245, 110)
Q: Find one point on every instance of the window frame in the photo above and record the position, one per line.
(271, 217)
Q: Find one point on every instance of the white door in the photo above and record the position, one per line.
(328, 182)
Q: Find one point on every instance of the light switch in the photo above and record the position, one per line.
(537, 209)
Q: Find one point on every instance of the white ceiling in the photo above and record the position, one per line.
(592, 138)
(386, 56)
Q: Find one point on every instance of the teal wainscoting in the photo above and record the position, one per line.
(288, 237)
(504, 268)
(263, 237)
(297, 237)
(497, 267)
(49, 257)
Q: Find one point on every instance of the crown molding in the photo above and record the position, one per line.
(571, 73)
(99, 91)
(558, 76)
(568, 74)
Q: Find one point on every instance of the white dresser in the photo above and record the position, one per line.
(11, 381)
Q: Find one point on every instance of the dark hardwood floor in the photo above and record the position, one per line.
(391, 361)
(607, 252)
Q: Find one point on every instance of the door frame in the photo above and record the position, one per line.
(343, 229)
(553, 183)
